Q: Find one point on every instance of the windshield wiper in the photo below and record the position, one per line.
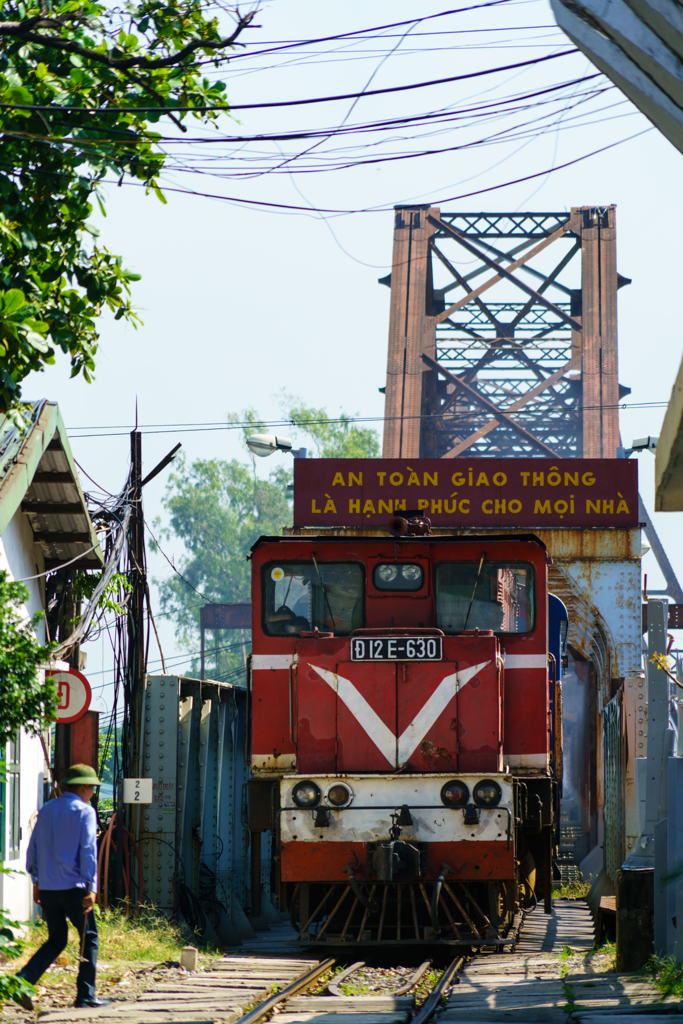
(322, 586)
(476, 584)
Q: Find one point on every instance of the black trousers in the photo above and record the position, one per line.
(59, 906)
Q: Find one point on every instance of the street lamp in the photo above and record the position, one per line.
(264, 445)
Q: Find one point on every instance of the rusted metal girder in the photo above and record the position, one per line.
(526, 375)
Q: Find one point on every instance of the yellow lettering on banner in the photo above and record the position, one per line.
(542, 507)
(608, 507)
(500, 506)
(385, 506)
(469, 476)
(588, 479)
(314, 507)
(571, 503)
(593, 506)
(413, 479)
(353, 479)
(458, 480)
(437, 505)
(369, 507)
(537, 480)
(489, 510)
(571, 478)
(338, 479)
(622, 506)
(422, 504)
(482, 479)
(329, 505)
(515, 506)
(354, 505)
(433, 479)
(525, 478)
(399, 504)
(447, 504)
(561, 507)
(554, 478)
(463, 502)
(500, 479)
(380, 477)
(396, 479)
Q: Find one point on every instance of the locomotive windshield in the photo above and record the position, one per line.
(298, 596)
(498, 596)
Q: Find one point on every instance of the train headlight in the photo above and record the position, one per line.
(487, 793)
(455, 794)
(398, 576)
(339, 795)
(306, 794)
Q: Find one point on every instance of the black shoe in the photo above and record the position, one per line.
(24, 1001)
(80, 1003)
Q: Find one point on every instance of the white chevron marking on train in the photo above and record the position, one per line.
(380, 734)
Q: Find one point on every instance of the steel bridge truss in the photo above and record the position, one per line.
(529, 368)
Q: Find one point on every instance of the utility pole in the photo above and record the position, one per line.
(136, 665)
(136, 615)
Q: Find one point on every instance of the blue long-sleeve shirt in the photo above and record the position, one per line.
(62, 851)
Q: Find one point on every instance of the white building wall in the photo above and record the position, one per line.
(20, 558)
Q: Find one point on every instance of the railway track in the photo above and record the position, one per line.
(393, 1007)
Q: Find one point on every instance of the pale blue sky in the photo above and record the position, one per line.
(239, 304)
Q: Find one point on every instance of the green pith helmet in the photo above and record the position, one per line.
(80, 775)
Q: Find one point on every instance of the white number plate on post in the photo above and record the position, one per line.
(396, 648)
(137, 791)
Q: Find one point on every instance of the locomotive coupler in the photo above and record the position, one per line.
(396, 861)
(471, 813)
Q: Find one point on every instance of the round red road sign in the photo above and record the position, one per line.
(74, 694)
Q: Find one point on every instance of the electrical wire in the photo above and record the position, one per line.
(288, 103)
(302, 425)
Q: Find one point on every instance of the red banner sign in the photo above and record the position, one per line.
(467, 492)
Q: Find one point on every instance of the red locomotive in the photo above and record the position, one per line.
(405, 737)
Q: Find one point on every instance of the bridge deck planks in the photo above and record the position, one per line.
(207, 997)
(528, 987)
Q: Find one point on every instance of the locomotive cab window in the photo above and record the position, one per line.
(495, 595)
(300, 596)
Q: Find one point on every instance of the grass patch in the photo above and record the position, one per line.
(570, 1006)
(571, 891)
(424, 988)
(150, 937)
(667, 975)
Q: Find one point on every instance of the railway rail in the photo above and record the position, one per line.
(392, 1007)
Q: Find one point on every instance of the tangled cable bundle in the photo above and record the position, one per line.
(129, 845)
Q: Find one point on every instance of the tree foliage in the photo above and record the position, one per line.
(27, 699)
(219, 509)
(335, 438)
(73, 77)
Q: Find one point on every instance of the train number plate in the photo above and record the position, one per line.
(396, 648)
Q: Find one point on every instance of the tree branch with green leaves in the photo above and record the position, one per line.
(75, 79)
(28, 698)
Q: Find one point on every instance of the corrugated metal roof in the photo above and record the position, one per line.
(38, 474)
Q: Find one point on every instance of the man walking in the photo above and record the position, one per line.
(62, 861)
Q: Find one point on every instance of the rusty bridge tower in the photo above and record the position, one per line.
(503, 335)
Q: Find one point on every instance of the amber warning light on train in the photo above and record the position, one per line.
(467, 492)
